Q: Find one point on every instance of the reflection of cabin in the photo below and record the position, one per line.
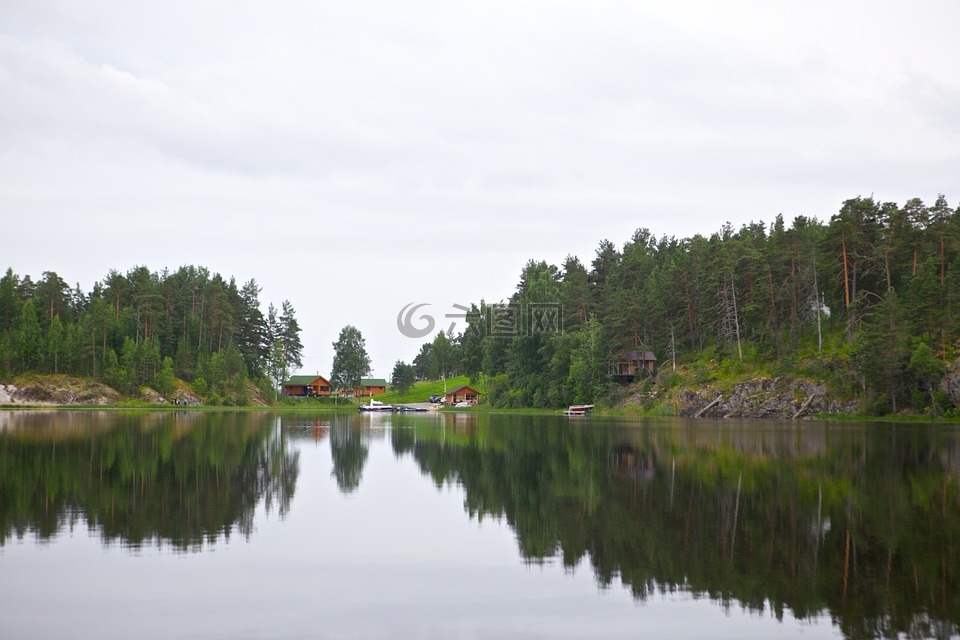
(630, 365)
(462, 394)
(309, 386)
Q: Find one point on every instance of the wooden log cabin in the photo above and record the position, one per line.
(462, 393)
(628, 366)
(368, 387)
(372, 387)
(307, 386)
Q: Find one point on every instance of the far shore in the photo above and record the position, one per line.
(347, 409)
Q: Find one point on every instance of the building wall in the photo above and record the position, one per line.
(322, 388)
(371, 391)
(319, 387)
(631, 367)
(294, 390)
(463, 395)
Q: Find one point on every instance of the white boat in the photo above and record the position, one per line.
(375, 405)
(578, 410)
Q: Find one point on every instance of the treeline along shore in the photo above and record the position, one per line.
(150, 329)
(861, 310)
(858, 313)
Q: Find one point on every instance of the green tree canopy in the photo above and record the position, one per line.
(403, 376)
(350, 360)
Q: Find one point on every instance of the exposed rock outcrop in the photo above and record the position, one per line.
(950, 384)
(775, 398)
(57, 390)
(42, 389)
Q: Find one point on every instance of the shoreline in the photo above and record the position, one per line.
(769, 398)
(598, 413)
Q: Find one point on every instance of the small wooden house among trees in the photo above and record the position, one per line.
(368, 387)
(307, 386)
(463, 393)
(372, 386)
(630, 365)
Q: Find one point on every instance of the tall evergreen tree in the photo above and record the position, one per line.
(252, 329)
(421, 363)
(9, 300)
(881, 353)
(289, 336)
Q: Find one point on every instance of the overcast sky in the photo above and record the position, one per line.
(354, 157)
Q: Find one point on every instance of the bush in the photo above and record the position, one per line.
(919, 399)
(732, 368)
(701, 373)
(496, 387)
(667, 379)
(879, 405)
(267, 389)
(941, 402)
(787, 366)
(612, 394)
(163, 381)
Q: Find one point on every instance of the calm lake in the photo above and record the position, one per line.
(264, 525)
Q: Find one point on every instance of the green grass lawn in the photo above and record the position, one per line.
(421, 391)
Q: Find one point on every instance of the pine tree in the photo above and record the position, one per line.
(252, 330)
(881, 354)
(290, 337)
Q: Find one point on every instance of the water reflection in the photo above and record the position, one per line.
(862, 523)
(176, 478)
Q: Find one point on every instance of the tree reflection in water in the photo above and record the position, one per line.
(349, 447)
(861, 523)
(176, 478)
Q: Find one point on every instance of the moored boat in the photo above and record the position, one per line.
(578, 410)
(375, 406)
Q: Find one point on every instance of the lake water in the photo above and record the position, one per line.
(264, 525)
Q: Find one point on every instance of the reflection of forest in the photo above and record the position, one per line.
(180, 478)
(350, 437)
(861, 523)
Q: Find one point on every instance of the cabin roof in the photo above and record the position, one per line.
(461, 388)
(643, 356)
(373, 382)
(303, 380)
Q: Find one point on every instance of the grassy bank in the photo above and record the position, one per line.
(421, 391)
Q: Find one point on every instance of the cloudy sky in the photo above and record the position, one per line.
(354, 157)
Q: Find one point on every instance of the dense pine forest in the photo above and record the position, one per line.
(866, 303)
(145, 328)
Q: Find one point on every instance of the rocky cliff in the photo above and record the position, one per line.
(776, 398)
(57, 390)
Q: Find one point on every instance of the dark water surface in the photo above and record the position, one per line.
(259, 525)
